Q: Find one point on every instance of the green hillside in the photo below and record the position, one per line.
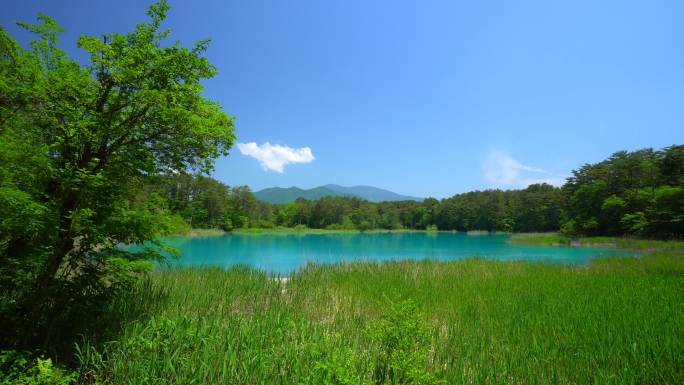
(280, 195)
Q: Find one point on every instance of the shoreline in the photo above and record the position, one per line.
(553, 239)
(626, 243)
(292, 230)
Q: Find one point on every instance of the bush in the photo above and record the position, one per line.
(25, 368)
(265, 224)
(400, 343)
(227, 225)
(403, 340)
(300, 227)
(340, 366)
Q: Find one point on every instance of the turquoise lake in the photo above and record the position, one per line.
(287, 252)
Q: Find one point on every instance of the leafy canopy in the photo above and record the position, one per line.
(77, 141)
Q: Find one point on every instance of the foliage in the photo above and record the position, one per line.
(340, 366)
(77, 144)
(629, 193)
(24, 368)
(637, 193)
(404, 339)
(204, 202)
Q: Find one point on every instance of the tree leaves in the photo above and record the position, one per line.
(76, 141)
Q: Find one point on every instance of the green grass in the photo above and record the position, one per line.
(546, 239)
(555, 239)
(614, 321)
(204, 233)
(636, 244)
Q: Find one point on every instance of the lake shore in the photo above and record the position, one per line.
(294, 230)
(199, 232)
(636, 244)
(534, 239)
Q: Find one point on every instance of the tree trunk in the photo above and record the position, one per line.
(64, 243)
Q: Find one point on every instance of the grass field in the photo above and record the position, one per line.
(615, 321)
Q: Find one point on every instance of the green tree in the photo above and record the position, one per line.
(637, 192)
(75, 141)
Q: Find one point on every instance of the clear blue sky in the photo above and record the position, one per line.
(423, 98)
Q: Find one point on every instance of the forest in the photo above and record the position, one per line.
(637, 193)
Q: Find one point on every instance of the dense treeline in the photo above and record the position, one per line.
(639, 193)
(631, 193)
(204, 202)
(479, 210)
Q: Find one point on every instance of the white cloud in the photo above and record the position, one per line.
(274, 156)
(501, 170)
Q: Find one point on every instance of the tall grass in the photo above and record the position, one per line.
(614, 321)
(547, 239)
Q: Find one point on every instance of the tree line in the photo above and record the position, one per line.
(202, 201)
(631, 193)
(637, 193)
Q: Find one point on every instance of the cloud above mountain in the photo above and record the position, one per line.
(502, 170)
(275, 156)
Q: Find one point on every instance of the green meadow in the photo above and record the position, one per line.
(613, 321)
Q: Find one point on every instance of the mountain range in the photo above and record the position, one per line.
(280, 195)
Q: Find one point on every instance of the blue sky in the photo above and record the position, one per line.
(423, 98)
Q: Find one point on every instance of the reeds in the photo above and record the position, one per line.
(614, 321)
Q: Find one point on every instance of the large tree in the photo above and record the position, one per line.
(77, 140)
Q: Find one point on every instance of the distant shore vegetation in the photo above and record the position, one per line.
(638, 193)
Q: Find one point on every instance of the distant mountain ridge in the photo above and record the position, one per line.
(280, 195)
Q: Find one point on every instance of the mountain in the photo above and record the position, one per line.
(284, 195)
(371, 193)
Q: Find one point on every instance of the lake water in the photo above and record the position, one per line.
(284, 253)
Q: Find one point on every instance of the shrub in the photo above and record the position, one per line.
(25, 368)
(300, 227)
(403, 340)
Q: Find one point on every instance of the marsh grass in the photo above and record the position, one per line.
(556, 239)
(546, 239)
(614, 321)
(204, 233)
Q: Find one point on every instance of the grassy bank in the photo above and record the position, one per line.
(204, 233)
(555, 239)
(542, 239)
(618, 320)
